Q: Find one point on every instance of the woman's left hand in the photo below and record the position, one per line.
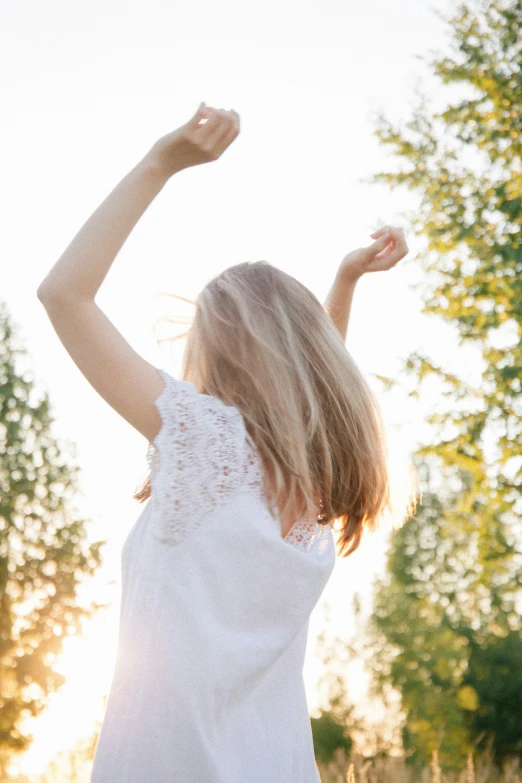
(193, 144)
(385, 252)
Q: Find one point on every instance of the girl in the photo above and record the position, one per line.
(270, 437)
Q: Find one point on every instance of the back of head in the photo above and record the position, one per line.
(261, 341)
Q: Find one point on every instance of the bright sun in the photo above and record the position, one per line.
(87, 662)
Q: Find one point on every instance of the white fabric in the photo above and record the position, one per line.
(208, 684)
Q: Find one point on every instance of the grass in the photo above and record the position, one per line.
(358, 769)
(75, 765)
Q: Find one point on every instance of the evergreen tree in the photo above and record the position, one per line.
(43, 551)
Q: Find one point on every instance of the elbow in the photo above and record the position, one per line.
(40, 293)
(54, 297)
(46, 292)
(43, 295)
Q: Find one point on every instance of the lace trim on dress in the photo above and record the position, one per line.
(201, 455)
(195, 459)
(306, 530)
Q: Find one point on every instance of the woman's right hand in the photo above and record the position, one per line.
(195, 143)
(387, 250)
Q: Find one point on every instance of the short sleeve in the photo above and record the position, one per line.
(196, 459)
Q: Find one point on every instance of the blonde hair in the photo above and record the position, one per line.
(261, 341)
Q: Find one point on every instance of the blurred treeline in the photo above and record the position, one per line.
(445, 632)
(44, 552)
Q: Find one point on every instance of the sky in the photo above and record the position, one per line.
(87, 89)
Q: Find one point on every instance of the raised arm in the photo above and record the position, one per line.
(389, 247)
(338, 302)
(126, 380)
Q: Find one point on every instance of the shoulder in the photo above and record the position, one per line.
(198, 459)
(180, 403)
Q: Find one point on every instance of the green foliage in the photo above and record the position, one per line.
(43, 552)
(329, 735)
(465, 164)
(499, 696)
(442, 628)
(448, 611)
(333, 726)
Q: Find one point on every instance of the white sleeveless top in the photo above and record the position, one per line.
(208, 683)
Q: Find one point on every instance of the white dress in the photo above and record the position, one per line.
(208, 683)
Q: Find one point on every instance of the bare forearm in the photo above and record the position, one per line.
(339, 301)
(387, 249)
(82, 268)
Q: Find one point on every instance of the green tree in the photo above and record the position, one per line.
(335, 721)
(43, 552)
(437, 626)
(454, 575)
(329, 734)
(499, 697)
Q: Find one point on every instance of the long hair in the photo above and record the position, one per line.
(261, 341)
